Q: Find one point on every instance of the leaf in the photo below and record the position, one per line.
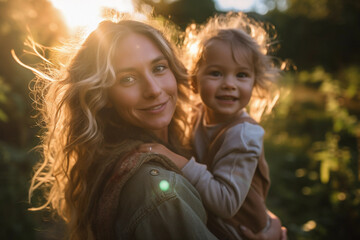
(3, 116)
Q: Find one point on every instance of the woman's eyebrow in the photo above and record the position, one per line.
(159, 58)
(129, 69)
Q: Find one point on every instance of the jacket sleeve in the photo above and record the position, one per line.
(161, 206)
(224, 189)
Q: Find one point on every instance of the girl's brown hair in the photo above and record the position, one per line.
(240, 32)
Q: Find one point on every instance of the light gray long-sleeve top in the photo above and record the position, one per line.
(224, 189)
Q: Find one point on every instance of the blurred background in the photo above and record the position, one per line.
(312, 137)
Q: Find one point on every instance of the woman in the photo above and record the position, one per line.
(123, 87)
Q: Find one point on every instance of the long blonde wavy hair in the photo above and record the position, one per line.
(72, 100)
(239, 31)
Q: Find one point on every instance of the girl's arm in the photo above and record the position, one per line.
(158, 148)
(224, 189)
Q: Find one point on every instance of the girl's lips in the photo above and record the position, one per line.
(227, 98)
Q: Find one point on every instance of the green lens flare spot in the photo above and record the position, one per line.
(164, 185)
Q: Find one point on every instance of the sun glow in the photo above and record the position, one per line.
(86, 14)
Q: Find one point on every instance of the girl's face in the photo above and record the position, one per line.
(145, 91)
(225, 85)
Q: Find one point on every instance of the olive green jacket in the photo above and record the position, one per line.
(160, 204)
(146, 197)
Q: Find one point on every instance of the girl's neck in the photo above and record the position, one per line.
(213, 119)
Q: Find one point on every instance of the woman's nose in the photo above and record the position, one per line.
(152, 87)
(228, 83)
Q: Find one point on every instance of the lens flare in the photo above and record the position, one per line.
(88, 13)
(164, 185)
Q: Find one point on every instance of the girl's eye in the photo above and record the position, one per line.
(242, 75)
(159, 68)
(215, 73)
(127, 80)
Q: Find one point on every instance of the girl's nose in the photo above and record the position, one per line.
(228, 83)
(151, 87)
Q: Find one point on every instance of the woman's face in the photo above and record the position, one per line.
(145, 91)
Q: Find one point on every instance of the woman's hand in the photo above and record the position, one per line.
(157, 148)
(263, 235)
(275, 231)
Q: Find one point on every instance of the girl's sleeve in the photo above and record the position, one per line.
(224, 189)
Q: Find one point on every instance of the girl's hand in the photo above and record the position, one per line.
(157, 148)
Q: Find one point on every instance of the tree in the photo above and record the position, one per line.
(181, 12)
(18, 19)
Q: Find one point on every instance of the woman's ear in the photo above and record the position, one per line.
(193, 84)
(109, 104)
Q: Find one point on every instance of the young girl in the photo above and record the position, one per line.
(230, 70)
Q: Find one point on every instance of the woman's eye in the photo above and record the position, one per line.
(242, 75)
(215, 73)
(127, 80)
(159, 68)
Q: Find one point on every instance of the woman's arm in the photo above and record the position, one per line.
(275, 231)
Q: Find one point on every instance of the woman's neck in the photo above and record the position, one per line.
(162, 134)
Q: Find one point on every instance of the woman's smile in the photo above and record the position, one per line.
(155, 108)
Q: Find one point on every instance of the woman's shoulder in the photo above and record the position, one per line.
(153, 182)
(153, 192)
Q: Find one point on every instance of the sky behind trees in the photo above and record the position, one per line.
(75, 18)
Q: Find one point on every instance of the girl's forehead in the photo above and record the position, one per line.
(237, 50)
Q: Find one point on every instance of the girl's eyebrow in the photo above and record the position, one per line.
(155, 60)
(212, 65)
(240, 67)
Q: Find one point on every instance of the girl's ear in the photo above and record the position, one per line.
(193, 84)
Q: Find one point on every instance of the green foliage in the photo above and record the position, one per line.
(19, 18)
(313, 135)
(4, 89)
(15, 166)
(312, 147)
(312, 35)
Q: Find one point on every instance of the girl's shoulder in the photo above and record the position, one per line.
(246, 130)
(245, 136)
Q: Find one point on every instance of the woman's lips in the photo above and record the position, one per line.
(155, 108)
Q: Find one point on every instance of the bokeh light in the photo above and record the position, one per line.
(309, 225)
(164, 185)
